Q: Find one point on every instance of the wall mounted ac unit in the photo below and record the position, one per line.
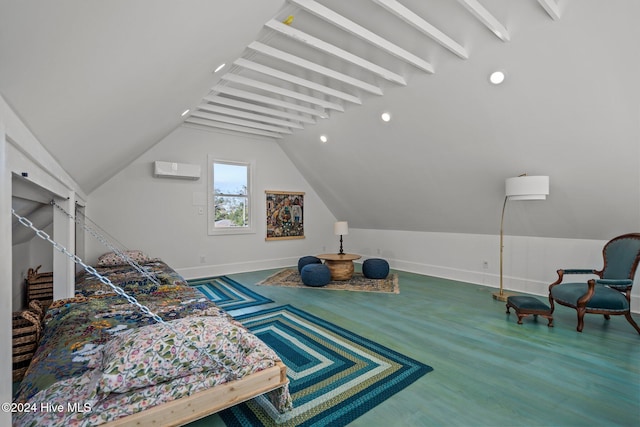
(176, 170)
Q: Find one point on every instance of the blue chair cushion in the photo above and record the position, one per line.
(315, 275)
(604, 298)
(526, 302)
(618, 284)
(307, 260)
(375, 268)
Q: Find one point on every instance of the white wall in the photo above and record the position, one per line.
(5, 274)
(27, 156)
(20, 151)
(20, 256)
(30, 254)
(529, 263)
(160, 215)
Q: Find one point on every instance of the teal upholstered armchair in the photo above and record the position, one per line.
(611, 293)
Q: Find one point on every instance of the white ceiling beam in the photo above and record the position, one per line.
(227, 126)
(423, 26)
(551, 7)
(280, 91)
(330, 49)
(361, 32)
(250, 65)
(246, 115)
(312, 66)
(268, 100)
(239, 122)
(258, 108)
(484, 16)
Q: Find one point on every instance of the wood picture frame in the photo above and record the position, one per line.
(285, 215)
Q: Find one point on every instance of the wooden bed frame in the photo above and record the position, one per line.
(207, 402)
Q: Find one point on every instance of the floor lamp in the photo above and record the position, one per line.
(522, 187)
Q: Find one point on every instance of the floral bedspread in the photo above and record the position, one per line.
(101, 358)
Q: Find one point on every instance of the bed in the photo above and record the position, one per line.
(102, 362)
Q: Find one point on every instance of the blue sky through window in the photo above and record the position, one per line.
(230, 179)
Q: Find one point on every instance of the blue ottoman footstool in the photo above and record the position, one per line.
(526, 306)
(305, 260)
(375, 268)
(315, 275)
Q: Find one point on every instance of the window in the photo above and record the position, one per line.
(230, 210)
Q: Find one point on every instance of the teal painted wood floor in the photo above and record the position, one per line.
(488, 370)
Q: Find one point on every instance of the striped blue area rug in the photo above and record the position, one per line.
(335, 375)
(227, 293)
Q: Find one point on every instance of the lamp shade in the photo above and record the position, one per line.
(341, 228)
(527, 187)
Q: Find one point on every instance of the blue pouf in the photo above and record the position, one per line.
(305, 260)
(315, 275)
(375, 268)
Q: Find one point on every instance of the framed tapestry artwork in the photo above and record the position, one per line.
(285, 219)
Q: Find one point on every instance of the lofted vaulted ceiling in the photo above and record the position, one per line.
(314, 59)
(99, 83)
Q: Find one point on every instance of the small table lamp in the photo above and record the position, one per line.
(339, 229)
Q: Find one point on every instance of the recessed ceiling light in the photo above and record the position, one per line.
(185, 112)
(220, 67)
(496, 77)
(323, 138)
(385, 117)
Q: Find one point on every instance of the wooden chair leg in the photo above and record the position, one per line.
(633, 322)
(580, 319)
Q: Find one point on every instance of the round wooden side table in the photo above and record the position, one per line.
(340, 265)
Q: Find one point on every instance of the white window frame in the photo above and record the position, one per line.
(211, 228)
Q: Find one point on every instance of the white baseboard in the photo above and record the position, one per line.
(243, 267)
(491, 280)
(515, 284)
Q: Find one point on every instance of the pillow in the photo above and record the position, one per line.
(158, 353)
(111, 259)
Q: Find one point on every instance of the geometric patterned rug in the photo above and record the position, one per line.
(335, 375)
(228, 294)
